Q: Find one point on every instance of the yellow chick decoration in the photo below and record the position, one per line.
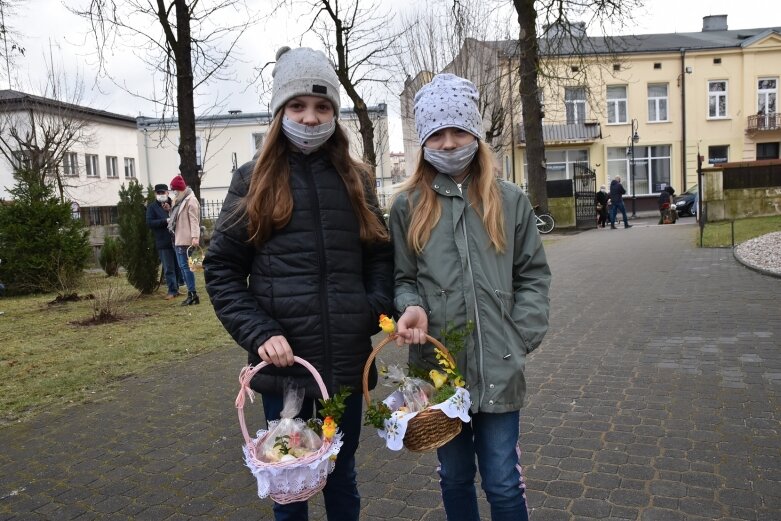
(329, 428)
(438, 377)
(387, 324)
(459, 382)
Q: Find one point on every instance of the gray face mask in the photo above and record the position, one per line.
(451, 162)
(308, 139)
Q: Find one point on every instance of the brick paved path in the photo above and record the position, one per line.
(654, 397)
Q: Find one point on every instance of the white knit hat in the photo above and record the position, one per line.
(448, 101)
(303, 72)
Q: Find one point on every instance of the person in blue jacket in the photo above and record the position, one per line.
(157, 220)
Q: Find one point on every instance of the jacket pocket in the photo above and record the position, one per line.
(512, 331)
(437, 310)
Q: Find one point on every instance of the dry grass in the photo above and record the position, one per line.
(54, 354)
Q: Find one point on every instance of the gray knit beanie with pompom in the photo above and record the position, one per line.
(303, 72)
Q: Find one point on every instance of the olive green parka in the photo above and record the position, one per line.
(460, 277)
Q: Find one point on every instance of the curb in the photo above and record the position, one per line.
(752, 267)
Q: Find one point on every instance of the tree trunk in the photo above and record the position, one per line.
(188, 165)
(530, 101)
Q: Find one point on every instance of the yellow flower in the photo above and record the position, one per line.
(387, 324)
(437, 377)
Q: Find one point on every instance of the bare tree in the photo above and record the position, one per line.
(37, 131)
(186, 42)
(11, 45)
(562, 36)
(358, 38)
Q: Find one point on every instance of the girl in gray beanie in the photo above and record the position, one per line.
(300, 262)
(468, 258)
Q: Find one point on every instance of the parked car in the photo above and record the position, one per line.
(686, 203)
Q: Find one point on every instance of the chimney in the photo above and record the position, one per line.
(716, 22)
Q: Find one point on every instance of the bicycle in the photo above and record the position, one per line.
(545, 221)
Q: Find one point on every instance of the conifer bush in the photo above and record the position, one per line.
(136, 241)
(42, 246)
(109, 256)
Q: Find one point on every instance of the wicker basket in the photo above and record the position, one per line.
(284, 487)
(430, 428)
(195, 258)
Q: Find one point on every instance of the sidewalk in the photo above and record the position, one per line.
(653, 397)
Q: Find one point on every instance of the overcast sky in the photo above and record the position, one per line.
(46, 24)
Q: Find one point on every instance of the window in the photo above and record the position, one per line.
(560, 164)
(257, 140)
(767, 151)
(91, 161)
(718, 154)
(111, 167)
(616, 104)
(616, 66)
(716, 61)
(767, 96)
(70, 164)
(575, 104)
(717, 99)
(657, 65)
(23, 158)
(130, 168)
(657, 102)
(651, 168)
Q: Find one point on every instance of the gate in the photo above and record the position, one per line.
(585, 194)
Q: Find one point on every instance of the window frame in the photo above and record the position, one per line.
(616, 102)
(91, 165)
(131, 161)
(70, 164)
(710, 154)
(575, 105)
(766, 94)
(656, 100)
(717, 95)
(112, 169)
(622, 165)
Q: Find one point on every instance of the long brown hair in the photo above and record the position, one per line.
(269, 201)
(426, 210)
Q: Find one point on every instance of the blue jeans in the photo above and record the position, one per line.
(168, 259)
(342, 502)
(614, 210)
(493, 438)
(189, 278)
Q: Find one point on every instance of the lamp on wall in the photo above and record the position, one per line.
(633, 138)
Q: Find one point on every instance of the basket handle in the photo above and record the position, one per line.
(378, 348)
(245, 377)
(199, 249)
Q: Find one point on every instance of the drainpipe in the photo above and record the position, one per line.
(146, 158)
(683, 120)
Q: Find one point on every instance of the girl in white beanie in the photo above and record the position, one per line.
(300, 262)
(468, 257)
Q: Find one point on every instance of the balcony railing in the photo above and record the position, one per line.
(762, 122)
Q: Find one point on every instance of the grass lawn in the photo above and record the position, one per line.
(49, 357)
(719, 234)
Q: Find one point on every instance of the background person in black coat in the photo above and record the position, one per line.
(601, 200)
(157, 220)
(301, 264)
(666, 205)
(617, 192)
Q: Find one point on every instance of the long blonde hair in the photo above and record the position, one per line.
(484, 197)
(269, 200)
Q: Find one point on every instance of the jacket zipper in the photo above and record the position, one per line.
(315, 200)
(477, 313)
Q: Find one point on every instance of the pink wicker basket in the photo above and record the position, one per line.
(288, 481)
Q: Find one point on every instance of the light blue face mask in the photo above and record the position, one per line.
(451, 162)
(308, 138)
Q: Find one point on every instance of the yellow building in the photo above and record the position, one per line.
(713, 92)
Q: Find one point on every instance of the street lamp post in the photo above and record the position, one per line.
(633, 138)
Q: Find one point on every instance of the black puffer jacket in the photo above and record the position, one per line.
(313, 281)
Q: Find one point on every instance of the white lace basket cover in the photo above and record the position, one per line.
(287, 481)
(396, 426)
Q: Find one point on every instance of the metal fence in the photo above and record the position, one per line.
(210, 209)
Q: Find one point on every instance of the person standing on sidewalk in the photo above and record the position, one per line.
(301, 264)
(617, 192)
(157, 220)
(185, 226)
(601, 200)
(467, 250)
